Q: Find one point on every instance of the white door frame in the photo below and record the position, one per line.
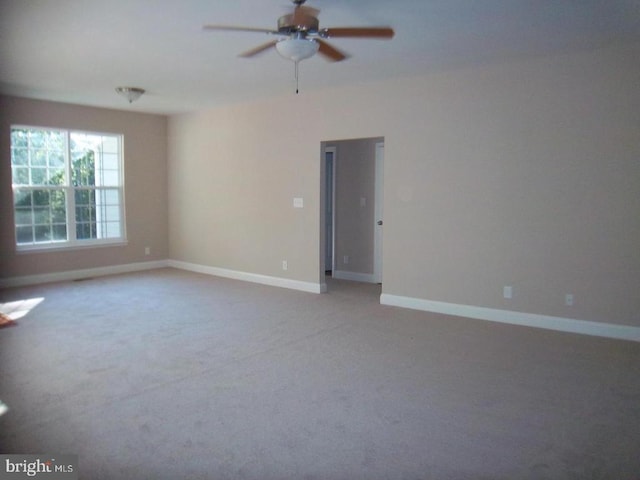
(330, 242)
(378, 215)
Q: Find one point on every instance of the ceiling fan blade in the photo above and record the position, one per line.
(358, 32)
(229, 28)
(330, 52)
(258, 49)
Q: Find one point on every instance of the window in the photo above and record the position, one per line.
(67, 188)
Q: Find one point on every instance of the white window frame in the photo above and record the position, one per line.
(72, 241)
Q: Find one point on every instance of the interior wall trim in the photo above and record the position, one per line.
(584, 327)
(250, 277)
(80, 274)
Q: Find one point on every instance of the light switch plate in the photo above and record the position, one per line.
(298, 202)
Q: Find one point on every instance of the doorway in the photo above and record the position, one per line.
(329, 185)
(351, 217)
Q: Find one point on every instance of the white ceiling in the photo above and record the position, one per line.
(78, 51)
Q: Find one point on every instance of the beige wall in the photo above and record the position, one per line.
(145, 152)
(233, 175)
(522, 174)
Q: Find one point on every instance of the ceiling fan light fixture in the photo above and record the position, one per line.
(297, 49)
(130, 93)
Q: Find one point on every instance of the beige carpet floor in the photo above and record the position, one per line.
(173, 375)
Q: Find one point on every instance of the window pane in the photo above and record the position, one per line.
(59, 232)
(110, 144)
(55, 140)
(110, 178)
(87, 199)
(20, 176)
(110, 161)
(42, 233)
(57, 197)
(112, 230)
(85, 231)
(23, 216)
(41, 216)
(38, 176)
(83, 153)
(38, 158)
(19, 137)
(109, 196)
(56, 176)
(112, 197)
(112, 213)
(85, 214)
(82, 231)
(24, 234)
(58, 214)
(22, 198)
(83, 172)
(83, 197)
(41, 197)
(58, 206)
(37, 138)
(19, 156)
(56, 159)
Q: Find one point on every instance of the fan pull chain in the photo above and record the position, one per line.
(296, 75)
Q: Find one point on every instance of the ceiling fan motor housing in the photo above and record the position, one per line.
(298, 22)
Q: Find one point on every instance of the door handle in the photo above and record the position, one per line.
(379, 222)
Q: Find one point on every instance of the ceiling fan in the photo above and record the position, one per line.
(301, 36)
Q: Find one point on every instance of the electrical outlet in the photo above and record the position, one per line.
(285, 265)
(345, 259)
(568, 300)
(507, 291)
(147, 250)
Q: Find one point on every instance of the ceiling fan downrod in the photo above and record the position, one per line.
(296, 75)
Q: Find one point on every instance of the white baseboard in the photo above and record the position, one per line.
(585, 327)
(354, 276)
(80, 274)
(250, 277)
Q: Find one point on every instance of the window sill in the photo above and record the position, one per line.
(66, 246)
